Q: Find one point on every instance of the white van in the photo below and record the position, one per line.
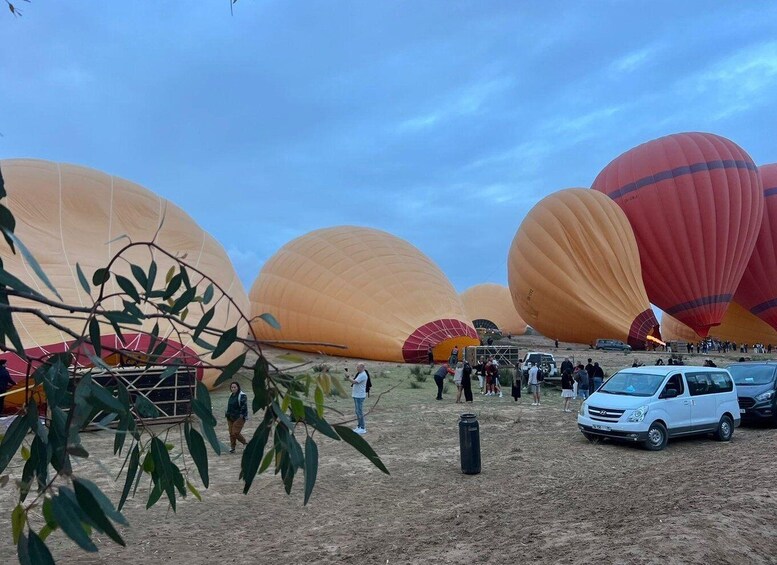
(652, 404)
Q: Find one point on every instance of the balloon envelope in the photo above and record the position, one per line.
(70, 217)
(738, 326)
(757, 292)
(574, 271)
(361, 288)
(490, 303)
(695, 202)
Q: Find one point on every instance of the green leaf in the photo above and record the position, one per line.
(297, 408)
(183, 301)
(202, 412)
(18, 517)
(139, 275)
(229, 371)
(69, 517)
(37, 551)
(172, 287)
(207, 296)
(100, 276)
(94, 509)
(31, 261)
(210, 433)
(319, 396)
(151, 277)
(45, 532)
(196, 446)
(2, 185)
(145, 407)
(311, 467)
(13, 283)
(169, 275)
(129, 288)
(7, 221)
(281, 414)
(357, 442)
(163, 468)
(225, 341)
(14, 436)
(94, 336)
(82, 279)
(101, 499)
(321, 425)
(194, 491)
(268, 457)
(154, 496)
(132, 469)
(270, 320)
(252, 455)
(25, 453)
(203, 323)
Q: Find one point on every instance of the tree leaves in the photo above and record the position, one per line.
(14, 436)
(196, 446)
(357, 442)
(311, 467)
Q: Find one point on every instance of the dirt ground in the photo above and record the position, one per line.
(545, 495)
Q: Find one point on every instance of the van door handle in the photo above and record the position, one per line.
(686, 402)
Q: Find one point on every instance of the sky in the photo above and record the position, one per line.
(441, 122)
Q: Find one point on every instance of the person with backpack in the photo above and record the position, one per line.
(359, 393)
(236, 414)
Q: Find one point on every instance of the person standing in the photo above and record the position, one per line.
(236, 414)
(6, 382)
(454, 356)
(566, 364)
(598, 376)
(582, 381)
(516, 384)
(466, 382)
(430, 356)
(534, 384)
(458, 375)
(480, 368)
(439, 378)
(359, 393)
(590, 370)
(567, 392)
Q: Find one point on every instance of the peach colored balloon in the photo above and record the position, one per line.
(574, 271)
(738, 325)
(69, 215)
(492, 303)
(361, 288)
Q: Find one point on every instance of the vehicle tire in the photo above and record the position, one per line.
(657, 437)
(725, 429)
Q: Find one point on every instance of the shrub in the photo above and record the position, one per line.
(415, 370)
(414, 384)
(320, 368)
(505, 376)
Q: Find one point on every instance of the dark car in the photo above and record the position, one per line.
(757, 390)
(612, 345)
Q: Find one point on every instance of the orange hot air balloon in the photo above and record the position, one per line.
(68, 215)
(491, 306)
(695, 202)
(361, 288)
(673, 329)
(757, 291)
(738, 326)
(574, 271)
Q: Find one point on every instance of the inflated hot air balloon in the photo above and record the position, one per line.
(738, 326)
(574, 271)
(695, 203)
(68, 215)
(362, 289)
(757, 291)
(490, 306)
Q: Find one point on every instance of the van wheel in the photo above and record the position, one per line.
(657, 437)
(725, 429)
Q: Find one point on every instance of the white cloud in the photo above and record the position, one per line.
(634, 60)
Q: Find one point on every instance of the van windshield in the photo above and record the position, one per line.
(632, 384)
(752, 374)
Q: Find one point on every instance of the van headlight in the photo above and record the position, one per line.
(768, 395)
(583, 410)
(639, 414)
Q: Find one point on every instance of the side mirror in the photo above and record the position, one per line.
(669, 393)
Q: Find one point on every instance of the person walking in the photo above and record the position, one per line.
(466, 381)
(458, 375)
(534, 384)
(359, 393)
(439, 378)
(6, 382)
(236, 414)
(516, 383)
(567, 392)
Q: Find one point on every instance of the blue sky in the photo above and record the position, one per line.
(440, 122)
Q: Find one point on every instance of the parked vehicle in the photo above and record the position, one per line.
(612, 345)
(650, 405)
(544, 361)
(757, 390)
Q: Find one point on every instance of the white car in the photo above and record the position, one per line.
(652, 404)
(544, 361)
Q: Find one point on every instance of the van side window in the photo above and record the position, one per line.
(699, 384)
(721, 382)
(675, 382)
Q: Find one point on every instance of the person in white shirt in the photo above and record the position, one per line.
(534, 384)
(359, 393)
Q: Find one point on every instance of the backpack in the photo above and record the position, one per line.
(369, 382)
(240, 397)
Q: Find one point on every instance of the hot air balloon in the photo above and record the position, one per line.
(68, 215)
(695, 203)
(369, 292)
(574, 271)
(757, 291)
(738, 326)
(491, 306)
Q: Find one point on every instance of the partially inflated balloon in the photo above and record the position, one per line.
(363, 289)
(738, 326)
(490, 306)
(574, 271)
(757, 291)
(695, 202)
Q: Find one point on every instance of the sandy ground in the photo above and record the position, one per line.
(545, 495)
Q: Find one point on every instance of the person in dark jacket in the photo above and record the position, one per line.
(466, 382)
(430, 356)
(589, 368)
(439, 378)
(517, 382)
(6, 382)
(567, 364)
(236, 414)
(598, 376)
